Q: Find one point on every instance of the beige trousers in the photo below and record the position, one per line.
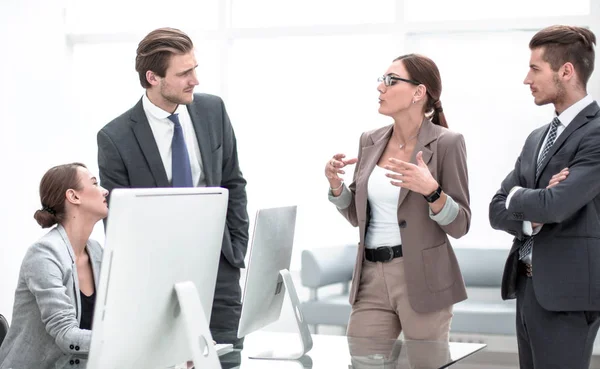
(382, 308)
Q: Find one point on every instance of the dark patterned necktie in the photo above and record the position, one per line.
(180, 159)
(528, 244)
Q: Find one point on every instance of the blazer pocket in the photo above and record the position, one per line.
(438, 270)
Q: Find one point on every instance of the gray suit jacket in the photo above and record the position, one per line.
(128, 157)
(44, 332)
(566, 253)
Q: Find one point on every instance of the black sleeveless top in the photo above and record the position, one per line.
(87, 310)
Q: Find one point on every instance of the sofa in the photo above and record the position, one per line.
(483, 313)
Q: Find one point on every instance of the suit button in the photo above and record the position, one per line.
(76, 361)
(76, 348)
(72, 362)
(72, 347)
(402, 224)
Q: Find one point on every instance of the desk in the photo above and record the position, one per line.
(332, 352)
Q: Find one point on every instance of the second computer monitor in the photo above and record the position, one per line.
(271, 252)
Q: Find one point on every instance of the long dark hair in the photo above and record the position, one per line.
(422, 69)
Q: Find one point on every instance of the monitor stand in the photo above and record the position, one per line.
(196, 328)
(302, 328)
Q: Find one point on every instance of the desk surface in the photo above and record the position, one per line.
(332, 352)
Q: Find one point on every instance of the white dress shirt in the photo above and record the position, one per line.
(163, 129)
(565, 118)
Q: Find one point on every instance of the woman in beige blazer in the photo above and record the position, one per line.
(55, 293)
(410, 191)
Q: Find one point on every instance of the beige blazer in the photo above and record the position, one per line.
(433, 276)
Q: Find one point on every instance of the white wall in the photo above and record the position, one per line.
(36, 133)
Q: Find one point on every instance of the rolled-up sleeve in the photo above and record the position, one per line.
(448, 213)
(343, 200)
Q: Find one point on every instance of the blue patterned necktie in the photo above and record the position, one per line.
(180, 159)
(528, 244)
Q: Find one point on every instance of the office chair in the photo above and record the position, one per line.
(3, 328)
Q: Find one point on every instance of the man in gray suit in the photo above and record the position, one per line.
(173, 137)
(550, 202)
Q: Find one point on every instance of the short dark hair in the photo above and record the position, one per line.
(564, 44)
(155, 50)
(53, 187)
(422, 69)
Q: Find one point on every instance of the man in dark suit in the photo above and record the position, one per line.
(173, 137)
(550, 202)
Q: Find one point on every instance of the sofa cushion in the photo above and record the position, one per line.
(484, 312)
(327, 265)
(330, 310)
(481, 267)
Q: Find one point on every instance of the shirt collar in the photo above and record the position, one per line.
(571, 112)
(155, 111)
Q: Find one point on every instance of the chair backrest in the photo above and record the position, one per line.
(481, 267)
(3, 328)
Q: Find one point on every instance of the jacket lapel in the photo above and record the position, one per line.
(145, 138)
(200, 122)
(581, 119)
(95, 261)
(370, 155)
(427, 134)
(75, 277)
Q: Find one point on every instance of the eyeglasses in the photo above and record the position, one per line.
(388, 80)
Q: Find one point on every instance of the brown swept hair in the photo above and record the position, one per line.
(423, 70)
(53, 187)
(156, 49)
(567, 44)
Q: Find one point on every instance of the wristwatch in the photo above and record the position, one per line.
(434, 195)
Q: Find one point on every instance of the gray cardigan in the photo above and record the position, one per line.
(44, 332)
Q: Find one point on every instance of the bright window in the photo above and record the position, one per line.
(444, 10)
(137, 17)
(277, 13)
(294, 103)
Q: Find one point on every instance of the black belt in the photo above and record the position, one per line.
(383, 253)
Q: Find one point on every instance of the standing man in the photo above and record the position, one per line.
(550, 202)
(173, 137)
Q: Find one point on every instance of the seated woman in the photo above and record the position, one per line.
(56, 290)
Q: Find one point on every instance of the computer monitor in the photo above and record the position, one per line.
(158, 278)
(268, 280)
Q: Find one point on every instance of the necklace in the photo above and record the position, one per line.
(410, 138)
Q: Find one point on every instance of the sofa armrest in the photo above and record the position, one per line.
(328, 265)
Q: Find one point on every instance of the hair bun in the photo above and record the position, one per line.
(44, 218)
